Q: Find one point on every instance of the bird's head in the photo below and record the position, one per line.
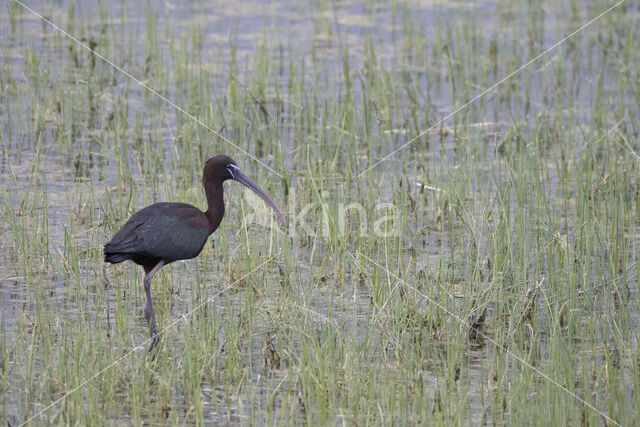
(221, 168)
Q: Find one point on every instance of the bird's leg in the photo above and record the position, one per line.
(148, 309)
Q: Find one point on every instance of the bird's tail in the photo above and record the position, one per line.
(115, 257)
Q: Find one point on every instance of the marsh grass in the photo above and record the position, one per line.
(488, 273)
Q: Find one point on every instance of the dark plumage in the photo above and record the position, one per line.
(165, 232)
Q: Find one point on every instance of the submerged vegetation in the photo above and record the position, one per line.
(487, 272)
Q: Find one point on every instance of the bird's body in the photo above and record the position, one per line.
(166, 232)
(162, 231)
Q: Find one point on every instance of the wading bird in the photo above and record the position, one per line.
(165, 232)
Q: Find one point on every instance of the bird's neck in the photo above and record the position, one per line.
(215, 202)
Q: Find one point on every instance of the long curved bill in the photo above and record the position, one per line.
(247, 182)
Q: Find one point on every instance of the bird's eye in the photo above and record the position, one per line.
(231, 169)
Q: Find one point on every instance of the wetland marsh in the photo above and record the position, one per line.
(454, 255)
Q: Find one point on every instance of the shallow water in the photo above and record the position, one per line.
(83, 146)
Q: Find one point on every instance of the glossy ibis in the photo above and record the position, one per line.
(167, 232)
